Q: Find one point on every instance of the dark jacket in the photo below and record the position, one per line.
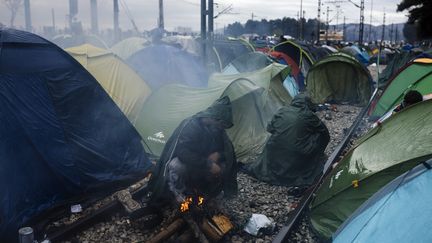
(293, 153)
(192, 142)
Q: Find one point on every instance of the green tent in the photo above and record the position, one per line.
(248, 62)
(398, 61)
(417, 75)
(255, 96)
(397, 145)
(339, 78)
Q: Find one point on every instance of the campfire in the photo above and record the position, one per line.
(195, 214)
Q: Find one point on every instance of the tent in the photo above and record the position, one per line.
(248, 62)
(256, 96)
(399, 212)
(339, 78)
(417, 75)
(225, 51)
(360, 55)
(63, 138)
(385, 152)
(127, 47)
(123, 85)
(66, 41)
(161, 64)
(296, 52)
(398, 61)
(186, 43)
(295, 69)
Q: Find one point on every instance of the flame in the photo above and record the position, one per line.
(184, 206)
(200, 200)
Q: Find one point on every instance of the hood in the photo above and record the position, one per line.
(303, 101)
(219, 110)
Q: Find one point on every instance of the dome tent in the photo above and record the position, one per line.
(385, 152)
(339, 78)
(124, 86)
(58, 141)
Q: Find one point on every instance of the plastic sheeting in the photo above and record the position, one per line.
(123, 85)
(384, 153)
(255, 97)
(63, 138)
(159, 65)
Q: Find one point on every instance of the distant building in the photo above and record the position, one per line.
(332, 35)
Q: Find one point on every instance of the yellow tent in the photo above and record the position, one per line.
(124, 86)
(127, 47)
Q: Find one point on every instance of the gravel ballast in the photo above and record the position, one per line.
(254, 197)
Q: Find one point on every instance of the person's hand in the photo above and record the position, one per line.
(214, 157)
(215, 169)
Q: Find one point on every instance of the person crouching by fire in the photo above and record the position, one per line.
(198, 160)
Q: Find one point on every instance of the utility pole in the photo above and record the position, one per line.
(397, 34)
(391, 33)
(344, 29)
(94, 17)
(301, 21)
(53, 19)
(383, 28)
(370, 23)
(161, 23)
(327, 23)
(203, 30)
(361, 22)
(27, 15)
(319, 21)
(210, 16)
(116, 21)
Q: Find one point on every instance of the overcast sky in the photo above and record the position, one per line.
(185, 13)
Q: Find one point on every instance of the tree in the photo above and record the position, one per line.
(13, 6)
(420, 15)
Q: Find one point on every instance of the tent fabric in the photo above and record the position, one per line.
(255, 97)
(399, 212)
(123, 85)
(66, 41)
(385, 152)
(415, 76)
(127, 47)
(339, 78)
(159, 65)
(248, 62)
(361, 56)
(226, 51)
(397, 62)
(59, 142)
(296, 52)
(186, 43)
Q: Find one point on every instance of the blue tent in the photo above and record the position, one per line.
(399, 212)
(360, 55)
(162, 64)
(62, 137)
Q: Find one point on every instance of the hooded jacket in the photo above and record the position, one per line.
(192, 142)
(293, 152)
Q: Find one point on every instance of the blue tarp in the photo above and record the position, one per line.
(62, 137)
(400, 212)
(162, 64)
